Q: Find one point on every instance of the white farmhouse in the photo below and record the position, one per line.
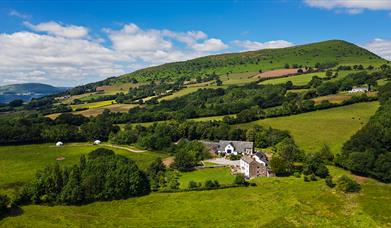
(359, 90)
(235, 147)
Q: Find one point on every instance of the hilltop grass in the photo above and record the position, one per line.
(222, 175)
(274, 202)
(18, 164)
(331, 126)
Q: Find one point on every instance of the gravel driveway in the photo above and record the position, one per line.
(224, 161)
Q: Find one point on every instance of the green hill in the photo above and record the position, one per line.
(332, 51)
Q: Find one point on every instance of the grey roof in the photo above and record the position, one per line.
(240, 146)
(261, 157)
(247, 159)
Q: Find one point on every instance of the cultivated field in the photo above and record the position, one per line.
(332, 126)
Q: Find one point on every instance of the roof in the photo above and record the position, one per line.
(261, 156)
(247, 159)
(240, 146)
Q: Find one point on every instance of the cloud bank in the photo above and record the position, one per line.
(350, 6)
(67, 55)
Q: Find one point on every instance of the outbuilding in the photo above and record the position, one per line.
(59, 144)
(97, 142)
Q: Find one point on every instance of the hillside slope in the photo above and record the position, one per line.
(336, 51)
(27, 91)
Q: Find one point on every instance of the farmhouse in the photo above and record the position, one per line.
(254, 165)
(359, 90)
(230, 147)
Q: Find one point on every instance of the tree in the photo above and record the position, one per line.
(240, 180)
(329, 181)
(286, 66)
(279, 166)
(219, 82)
(347, 185)
(184, 161)
(16, 103)
(329, 73)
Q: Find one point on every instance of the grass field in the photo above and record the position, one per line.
(222, 175)
(93, 104)
(332, 126)
(18, 164)
(274, 202)
(298, 80)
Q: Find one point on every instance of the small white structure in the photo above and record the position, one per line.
(97, 142)
(59, 144)
(359, 90)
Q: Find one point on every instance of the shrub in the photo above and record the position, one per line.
(306, 178)
(297, 174)
(234, 157)
(329, 181)
(240, 180)
(192, 185)
(211, 184)
(253, 184)
(313, 177)
(100, 152)
(4, 201)
(346, 184)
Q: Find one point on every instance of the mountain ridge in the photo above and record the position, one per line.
(27, 91)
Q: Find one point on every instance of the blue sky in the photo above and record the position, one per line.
(73, 42)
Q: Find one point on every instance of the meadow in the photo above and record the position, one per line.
(222, 175)
(18, 164)
(331, 126)
(274, 202)
(298, 80)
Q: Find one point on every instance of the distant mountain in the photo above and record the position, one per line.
(27, 91)
(335, 51)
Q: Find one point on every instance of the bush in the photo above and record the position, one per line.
(240, 180)
(297, 174)
(329, 181)
(253, 184)
(234, 157)
(346, 184)
(100, 152)
(211, 184)
(4, 201)
(192, 185)
(313, 177)
(306, 178)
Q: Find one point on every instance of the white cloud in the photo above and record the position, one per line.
(66, 55)
(54, 28)
(350, 6)
(27, 56)
(18, 14)
(247, 45)
(380, 47)
(210, 45)
(132, 38)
